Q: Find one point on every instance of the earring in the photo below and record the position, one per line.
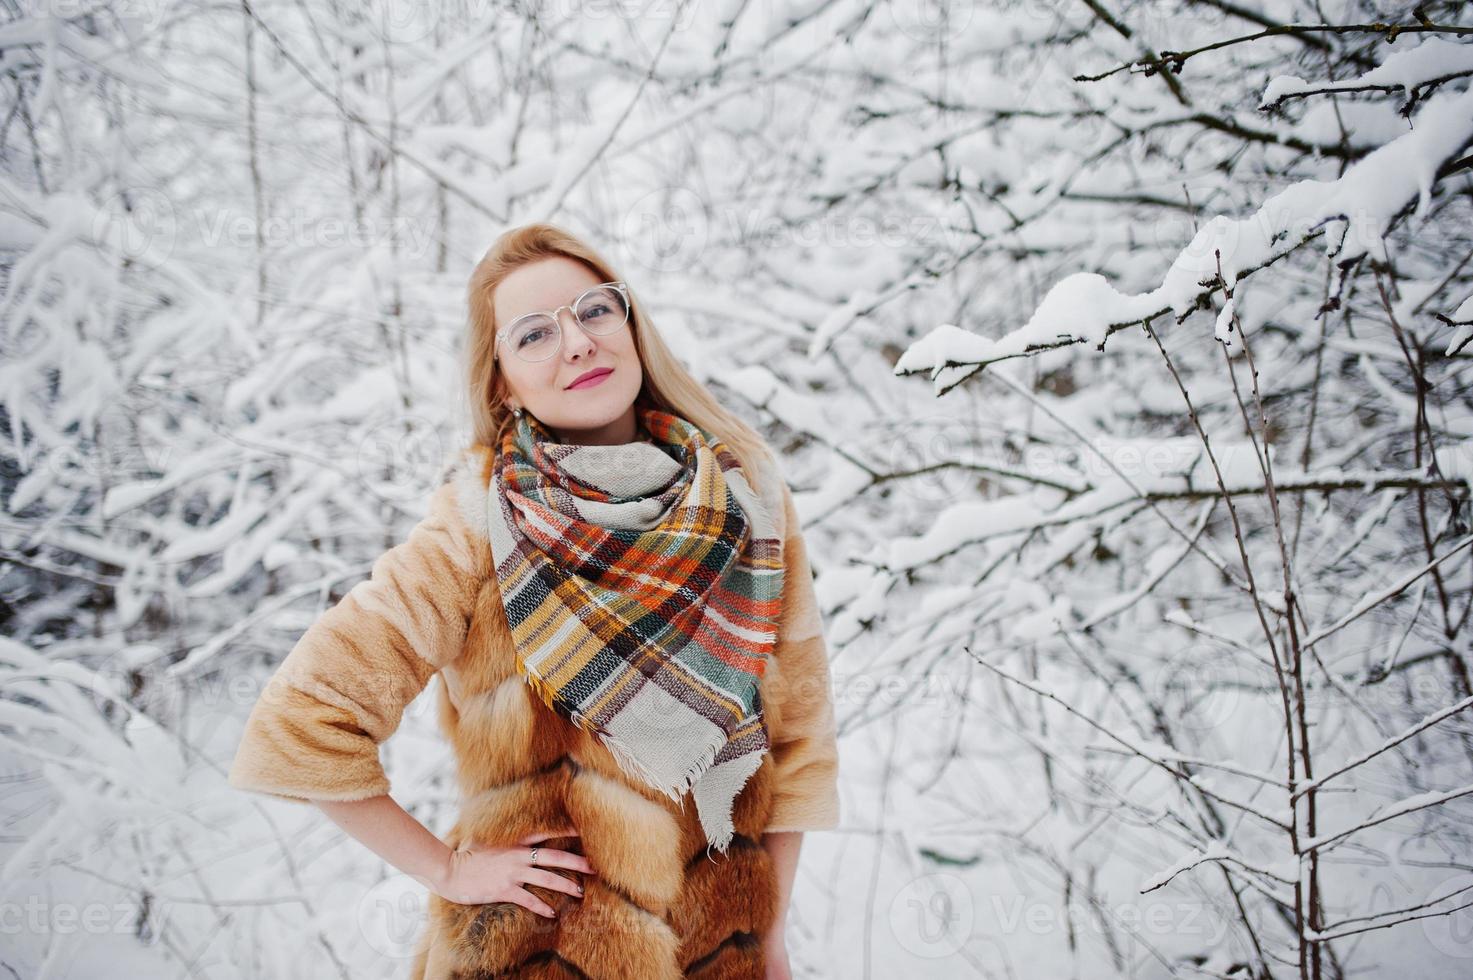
(517, 411)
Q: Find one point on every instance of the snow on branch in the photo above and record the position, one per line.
(1363, 203)
(1217, 852)
(1145, 752)
(1411, 804)
(1428, 65)
(1385, 746)
(1373, 599)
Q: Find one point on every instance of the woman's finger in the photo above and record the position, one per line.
(531, 902)
(553, 880)
(555, 858)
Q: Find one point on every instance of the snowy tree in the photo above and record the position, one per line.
(1149, 639)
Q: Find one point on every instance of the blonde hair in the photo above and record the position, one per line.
(667, 385)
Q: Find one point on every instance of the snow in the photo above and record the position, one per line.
(1431, 59)
(1084, 306)
(233, 326)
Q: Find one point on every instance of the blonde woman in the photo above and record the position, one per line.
(614, 590)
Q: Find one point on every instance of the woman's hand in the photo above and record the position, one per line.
(775, 953)
(499, 873)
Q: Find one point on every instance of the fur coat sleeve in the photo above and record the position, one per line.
(315, 731)
(798, 699)
(341, 691)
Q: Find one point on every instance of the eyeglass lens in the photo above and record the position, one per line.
(537, 336)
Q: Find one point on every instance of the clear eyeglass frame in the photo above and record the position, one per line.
(572, 308)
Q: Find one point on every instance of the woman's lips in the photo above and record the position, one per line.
(595, 380)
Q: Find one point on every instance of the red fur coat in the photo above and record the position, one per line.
(660, 906)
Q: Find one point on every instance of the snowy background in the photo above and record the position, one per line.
(1118, 352)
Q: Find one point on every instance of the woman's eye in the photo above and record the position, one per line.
(530, 336)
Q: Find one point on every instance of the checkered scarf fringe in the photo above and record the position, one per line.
(643, 584)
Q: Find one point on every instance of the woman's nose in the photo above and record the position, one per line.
(576, 338)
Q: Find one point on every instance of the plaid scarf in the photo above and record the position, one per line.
(643, 583)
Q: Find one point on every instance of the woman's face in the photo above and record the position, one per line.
(601, 414)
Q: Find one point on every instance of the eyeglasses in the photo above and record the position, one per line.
(537, 336)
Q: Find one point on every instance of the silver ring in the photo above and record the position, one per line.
(534, 857)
